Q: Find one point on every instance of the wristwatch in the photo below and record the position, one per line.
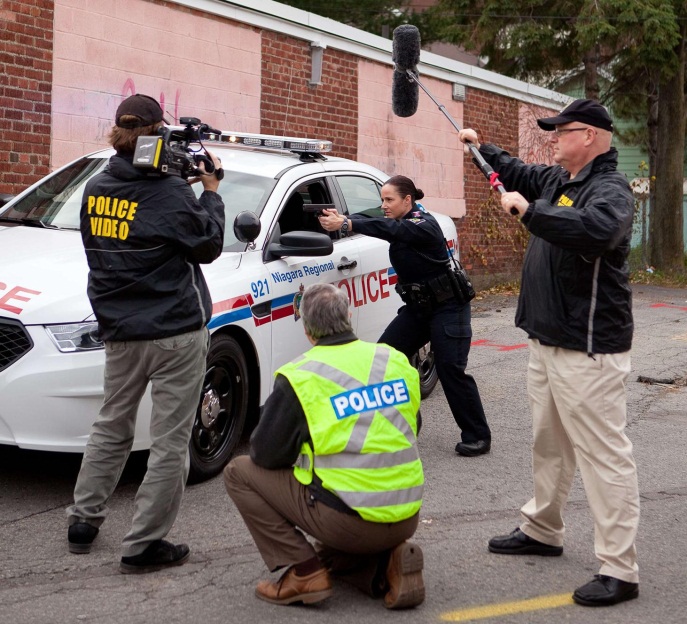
(344, 227)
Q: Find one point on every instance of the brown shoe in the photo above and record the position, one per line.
(293, 588)
(404, 575)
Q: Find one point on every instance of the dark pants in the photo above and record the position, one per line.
(449, 330)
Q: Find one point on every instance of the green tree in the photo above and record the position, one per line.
(641, 45)
(379, 17)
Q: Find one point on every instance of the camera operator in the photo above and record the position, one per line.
(145, 238)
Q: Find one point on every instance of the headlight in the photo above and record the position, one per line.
(75, 337)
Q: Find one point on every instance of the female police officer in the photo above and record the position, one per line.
(432, 312)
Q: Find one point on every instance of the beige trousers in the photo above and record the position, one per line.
(579, 415)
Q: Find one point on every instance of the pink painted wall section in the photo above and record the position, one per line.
(104, 51)
(424, 147)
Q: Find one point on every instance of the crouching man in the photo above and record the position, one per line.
(335, 454)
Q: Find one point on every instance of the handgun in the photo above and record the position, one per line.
(318, 208)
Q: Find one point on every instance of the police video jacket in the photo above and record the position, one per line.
(144, 239)
(575, 290)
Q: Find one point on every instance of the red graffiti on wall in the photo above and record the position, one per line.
(129, 88)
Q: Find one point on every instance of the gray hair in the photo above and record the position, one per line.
(324, 310)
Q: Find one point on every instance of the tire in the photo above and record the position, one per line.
(423, 360)
(222, 409)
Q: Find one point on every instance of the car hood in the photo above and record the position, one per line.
(43, 276)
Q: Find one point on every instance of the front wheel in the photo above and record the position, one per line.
(423, 360)
(222, 409)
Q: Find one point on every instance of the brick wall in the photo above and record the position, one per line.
(491, 242)
(274, 69)
(291, 107)
(26, 49)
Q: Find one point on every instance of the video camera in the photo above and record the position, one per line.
(168, 152)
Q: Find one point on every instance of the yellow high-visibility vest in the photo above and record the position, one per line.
(361, 402)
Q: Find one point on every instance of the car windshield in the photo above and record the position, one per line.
(240, 191)
(56, 201)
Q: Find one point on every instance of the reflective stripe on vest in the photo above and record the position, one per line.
(382, 499)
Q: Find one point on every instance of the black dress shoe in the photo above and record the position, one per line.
(80, 536)
(605, 591)
(472, 449)
(159, 554)
(517, 543)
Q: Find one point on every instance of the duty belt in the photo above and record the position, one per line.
(434, 291)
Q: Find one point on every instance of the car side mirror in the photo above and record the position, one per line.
(246, 226)
(303, 243)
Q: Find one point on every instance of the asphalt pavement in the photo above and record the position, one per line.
(468, 500)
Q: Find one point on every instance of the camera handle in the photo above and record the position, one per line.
(209, 165)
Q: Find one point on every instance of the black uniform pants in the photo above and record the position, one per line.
(449, 330)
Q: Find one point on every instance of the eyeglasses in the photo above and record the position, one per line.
(561, 131)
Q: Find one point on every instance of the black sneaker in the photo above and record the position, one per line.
(517, 543)
(159, 554)
(80, 536)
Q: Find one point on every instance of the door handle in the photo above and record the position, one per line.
(345, 264)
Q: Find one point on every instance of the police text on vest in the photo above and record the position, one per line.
(368, 398)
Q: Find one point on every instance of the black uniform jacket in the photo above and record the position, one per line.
(575, 290)
(417, 249)
(144, 239)
(283, 428)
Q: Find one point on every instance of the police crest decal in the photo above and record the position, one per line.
(297, 303)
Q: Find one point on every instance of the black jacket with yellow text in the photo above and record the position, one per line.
(575, 290)
(145, 238)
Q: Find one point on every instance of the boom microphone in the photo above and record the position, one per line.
(405, 93)
(405, 52)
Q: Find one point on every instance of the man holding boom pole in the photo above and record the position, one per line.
(575, 305)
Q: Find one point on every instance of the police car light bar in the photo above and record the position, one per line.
(292, 144)
(276, 142)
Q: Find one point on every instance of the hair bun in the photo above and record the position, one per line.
(419, 194)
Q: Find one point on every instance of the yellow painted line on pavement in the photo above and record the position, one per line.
(508, 608)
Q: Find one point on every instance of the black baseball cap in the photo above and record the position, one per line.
(586, 111)
(142, 106)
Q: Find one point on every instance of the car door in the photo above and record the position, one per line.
(287, 277)
(373, 293)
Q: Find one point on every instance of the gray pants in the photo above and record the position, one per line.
(272, 503)
(175, 367)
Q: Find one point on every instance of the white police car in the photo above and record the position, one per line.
(51, 359)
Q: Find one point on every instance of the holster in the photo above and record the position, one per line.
(416, 296)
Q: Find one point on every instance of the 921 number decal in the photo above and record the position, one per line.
(260, 289)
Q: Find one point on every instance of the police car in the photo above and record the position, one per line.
(51, 357)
